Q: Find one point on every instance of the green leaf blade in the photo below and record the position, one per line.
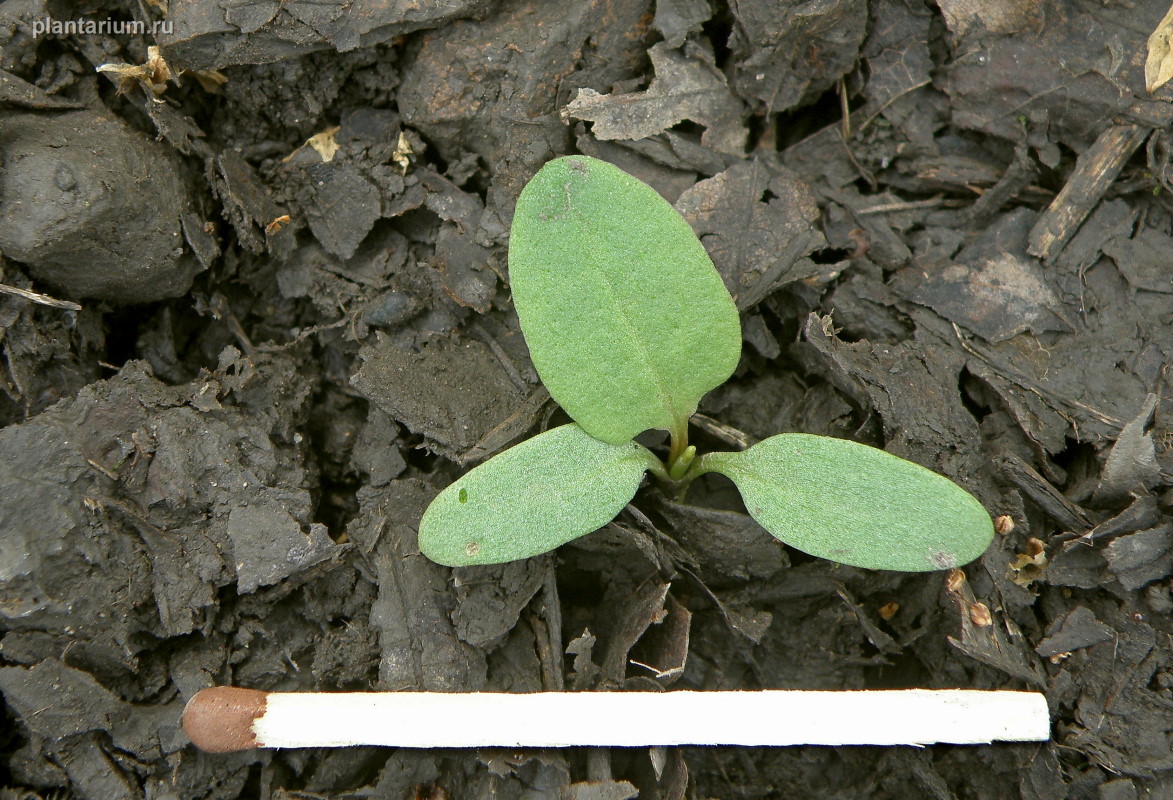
(627, 320)
(532, 498)
(857, 505)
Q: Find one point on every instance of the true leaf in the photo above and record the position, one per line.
(627, 320)
(532, 498)
(855, 504)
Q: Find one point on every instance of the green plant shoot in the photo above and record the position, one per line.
(629, 325)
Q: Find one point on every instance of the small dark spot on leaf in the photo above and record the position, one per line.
(462, 496)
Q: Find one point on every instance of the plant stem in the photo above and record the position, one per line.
(679, 474)
(657, 468)
(679, 442)
(679, 467)
(698, 467)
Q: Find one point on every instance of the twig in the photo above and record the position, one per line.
(503, 357)
(1095, 170)
(719, 430)
(305, 333)
(1014, 375)
(908, 90)
(37, 297)
(911, 205)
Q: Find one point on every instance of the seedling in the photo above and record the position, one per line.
(629, 325)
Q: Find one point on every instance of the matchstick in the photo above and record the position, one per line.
(225, 719)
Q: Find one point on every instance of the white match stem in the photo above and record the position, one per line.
(626, 719)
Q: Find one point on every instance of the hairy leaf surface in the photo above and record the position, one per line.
(855, 504)
(532, 498)
(627, 320)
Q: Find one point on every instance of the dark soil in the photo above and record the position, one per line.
(248, 367)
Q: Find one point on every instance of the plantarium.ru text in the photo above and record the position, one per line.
(629, 325)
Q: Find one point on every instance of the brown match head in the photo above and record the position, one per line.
(220, 719)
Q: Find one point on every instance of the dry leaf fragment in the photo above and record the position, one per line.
(1158, 66)
(996, 16)
(1028, 567)
(277, 224)
(403, 153)
(1131, 468)
(210, 79)
(153, 74)
(324, 144)
(684, 88)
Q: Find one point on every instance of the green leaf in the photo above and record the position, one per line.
(627, 320)
(857, 505)
(532, 498)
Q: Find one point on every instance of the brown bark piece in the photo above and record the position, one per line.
(1093, 174)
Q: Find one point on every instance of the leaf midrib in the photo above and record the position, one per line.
(661, 387)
